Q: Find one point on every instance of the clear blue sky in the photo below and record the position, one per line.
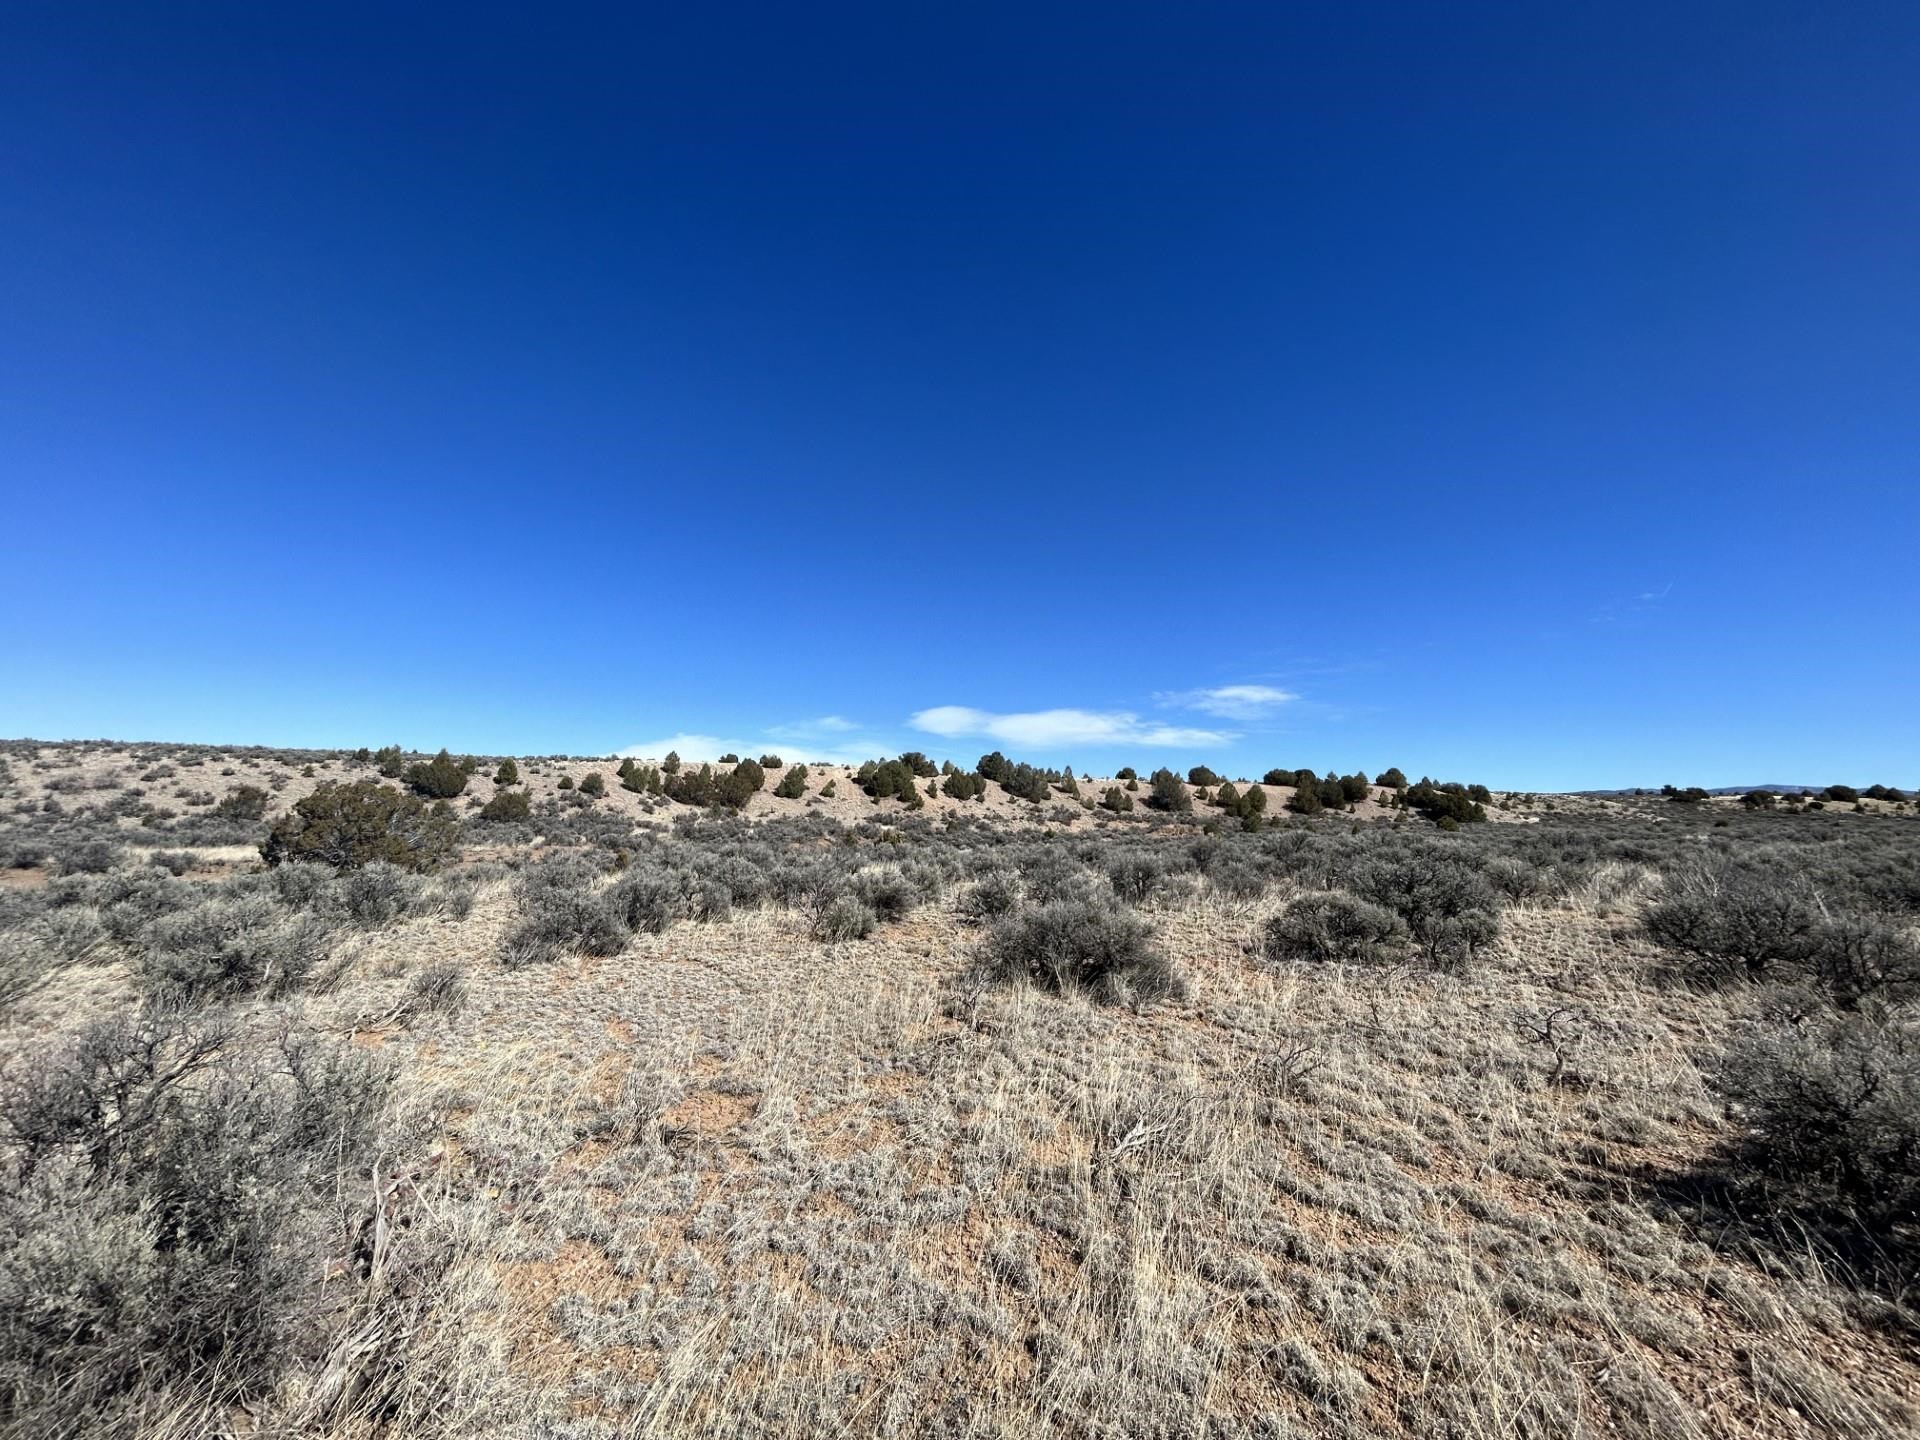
(1525, 394)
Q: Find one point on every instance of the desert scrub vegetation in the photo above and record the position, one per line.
(347, 826)
(1336, 926)
(170, 1198)
(952, 1121)
(1070, 944)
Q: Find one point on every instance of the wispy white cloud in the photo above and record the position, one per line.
(829, 740)
(808, 729)
(1053, 729)
(697, 748)
(1633, 608)
(1230, 702)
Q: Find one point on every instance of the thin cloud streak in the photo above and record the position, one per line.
(1230, 702)
(1054, 729)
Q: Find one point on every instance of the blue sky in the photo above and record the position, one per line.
(1498, 392)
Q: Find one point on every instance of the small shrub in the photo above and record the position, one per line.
(1072, 945)
(793, 784)
(376, 895)
(649, 902)
(1134, 875)
(886, 893)
(845, 917)
(1835, 1105)
(1116, 800)
(559, 920)
(508, 807)
(1726, 919)
(171, 1205)
(508, 773)
(228, 946)
(440, 778)
(1238, 880)
(1449, 906)
(440, 987)
(593, 784)
(243, 802)
(988, 898)
(1339, 928)
(87, 857)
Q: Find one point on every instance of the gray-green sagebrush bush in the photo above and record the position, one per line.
(1833, 1104)
(1450, 908)
(1337, 927)
(1077, 945)
(168, 1203)
(1738, 920)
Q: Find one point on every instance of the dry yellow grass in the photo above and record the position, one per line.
(731, 1181)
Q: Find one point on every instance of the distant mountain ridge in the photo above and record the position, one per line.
(1775, 786)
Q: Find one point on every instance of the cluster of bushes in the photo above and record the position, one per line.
(1166, 792)
(1314, 794)
(1450, 805)
(1248, 807)
(715, 789)
(641, 779)
(572, 905)
(1729, 919)
(894, 779)
(1022, 781)
(958, 784)
(793, 784)
(1409, 900)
